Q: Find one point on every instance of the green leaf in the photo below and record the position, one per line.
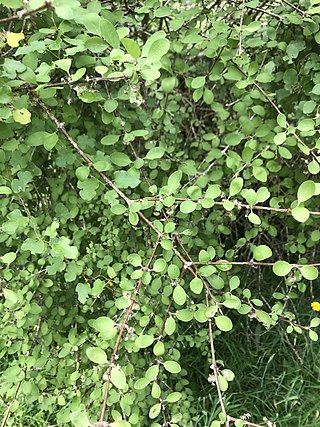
(158, 348)
(35, 246)
(306, 125)
(144, 341)
(96, 44)
(83, 290)
(170, 325)
(63, 64)
(281, 268)
(309, 272)
(306, 191)
(313, 335)
(109, 33)
(106, 326)
(179, 295)
(174, 182)
(5, 190)
(262, 252)
(97, 355)
(118, 377)
(120, 159)
(8, 258)
(80, 419)
(155, 153)
(125, 180)
(198, 82)
(160, 265)
(196, 285)
(173, 397)
(131, 47)
(263, 317)
(157, 50)
(235, 186)
(172, 366)
(300, 214)
(188, 206)
(223, 323)
(155, 410)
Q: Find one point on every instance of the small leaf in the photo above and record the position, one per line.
(188, 206)
(143, 341)
(173, 397)
(157, 50)
(172, 366)
(22, 116)
(109, 33)
(170, 325)
(262, 252)
(155, 411)
(223, 323)
(179, 295)
(80, 419)
(8, 258)
(64, 64)
(313, 335)
(281, 268)
(174, 181)
(309, 272)
(196, 285)
(131, 47)
(300, 214)
(118, 377)
(235, 186)
(306, 191)
(97, 355)
(155, 153)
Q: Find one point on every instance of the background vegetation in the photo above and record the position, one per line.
(159, 213)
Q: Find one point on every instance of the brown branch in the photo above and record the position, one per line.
(107, 375)
(71, 83)
(24, 13)
(236, 203)
(214, 364)
(252, 263)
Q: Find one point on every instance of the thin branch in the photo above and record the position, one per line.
(302, 12)
(107, 375)
(240, 51)
(71, 83)
(24, 13)
(235, 202)
(214, 364)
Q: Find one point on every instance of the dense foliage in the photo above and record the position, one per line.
(159, 181)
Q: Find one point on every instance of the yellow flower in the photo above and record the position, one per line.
(315, 305)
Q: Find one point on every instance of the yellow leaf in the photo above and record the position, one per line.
(22, 116)
(14, 38)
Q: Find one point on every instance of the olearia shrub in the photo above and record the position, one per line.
(151, 154)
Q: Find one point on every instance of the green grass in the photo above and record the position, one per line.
(275, 379)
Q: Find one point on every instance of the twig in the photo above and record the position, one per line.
(24, 13)
(72, 83)
(235, 202)
(239, 53)
(214, 364)
(107, 375)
